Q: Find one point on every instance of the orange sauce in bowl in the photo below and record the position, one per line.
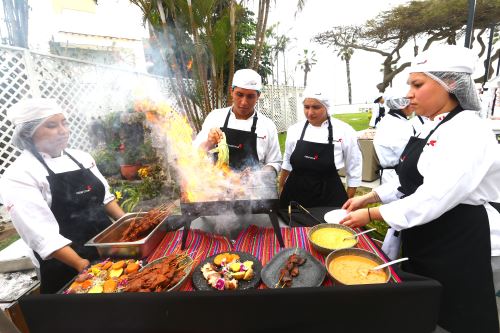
(352, 269)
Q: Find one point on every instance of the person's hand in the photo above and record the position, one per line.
(214, 136)
(356, 219)
(82, 264)
(354, 203)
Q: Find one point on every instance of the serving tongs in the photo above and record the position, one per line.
(299, 206)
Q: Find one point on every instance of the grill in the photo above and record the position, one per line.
(193, 210)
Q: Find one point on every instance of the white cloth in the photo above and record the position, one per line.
(391, 137)
(392, 244)
(32, 109)
(268, 148)
(346, 148)
(460, 165)
(26, 193)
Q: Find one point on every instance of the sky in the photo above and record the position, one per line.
(319, 16)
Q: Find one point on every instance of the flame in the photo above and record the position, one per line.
(189, 64)
(199, 178)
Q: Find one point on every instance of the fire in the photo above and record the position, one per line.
(189, 64)
(200, 180)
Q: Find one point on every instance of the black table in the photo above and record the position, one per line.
(410, 306)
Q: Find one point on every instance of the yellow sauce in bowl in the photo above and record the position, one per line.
(352, 269)
(332, 238)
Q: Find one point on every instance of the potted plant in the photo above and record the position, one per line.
(131, 162)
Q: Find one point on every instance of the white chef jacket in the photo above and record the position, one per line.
(375, 113)
(391, 137)
(26, 193)
(460, 165)
(268, 148)
(346, 148)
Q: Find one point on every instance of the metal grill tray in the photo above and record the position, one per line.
(106, 242)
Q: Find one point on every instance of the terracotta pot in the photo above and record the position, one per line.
(129, 171)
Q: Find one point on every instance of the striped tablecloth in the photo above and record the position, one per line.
(260, 242)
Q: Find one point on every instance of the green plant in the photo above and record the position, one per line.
(152, 181)
(131, 156)
(127, 196)
(106, 162)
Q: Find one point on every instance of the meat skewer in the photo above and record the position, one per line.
(290, 270)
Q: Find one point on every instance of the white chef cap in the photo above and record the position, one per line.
(318, 94)
(27, 115)
(445, 58)
(247, 79)
(451, 66)
(33, 109)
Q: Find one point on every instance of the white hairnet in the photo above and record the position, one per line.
(451, 66)
(395, 99)
(319, 95)
(27, 115)
(247, 79)
(23, 134)
(397, 103)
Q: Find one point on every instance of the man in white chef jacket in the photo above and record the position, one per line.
(253, 144)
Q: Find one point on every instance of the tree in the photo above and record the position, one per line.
(16, 20)
(192, 37)
(261, 30)
(342, 37)
(433, 20)
(281, 46)
(306, 63)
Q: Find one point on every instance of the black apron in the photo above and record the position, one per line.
(381, 114)
(77, 204)
(314, 180)
(453, 249)
(242, 145)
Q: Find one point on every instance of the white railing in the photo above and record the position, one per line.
(85, 89)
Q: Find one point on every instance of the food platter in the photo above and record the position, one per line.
(312, 272)
(200, 283)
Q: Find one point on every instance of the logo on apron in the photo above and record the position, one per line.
(88, 188)
(240, 146)
(431, 143)
(315, 157)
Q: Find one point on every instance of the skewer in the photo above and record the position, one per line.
(282, 275)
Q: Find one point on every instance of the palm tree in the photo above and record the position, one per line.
(306, 63)
(281, 46)
(345, 54)
(261, 29)
(192, 36)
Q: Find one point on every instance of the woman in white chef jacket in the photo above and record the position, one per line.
(314, 151)
(57, 198)
(392, 135)
(449, 183)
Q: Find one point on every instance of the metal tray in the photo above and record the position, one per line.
(107, 243)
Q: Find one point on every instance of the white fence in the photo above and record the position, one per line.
(85, 89)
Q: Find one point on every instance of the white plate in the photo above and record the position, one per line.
(335, 216)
